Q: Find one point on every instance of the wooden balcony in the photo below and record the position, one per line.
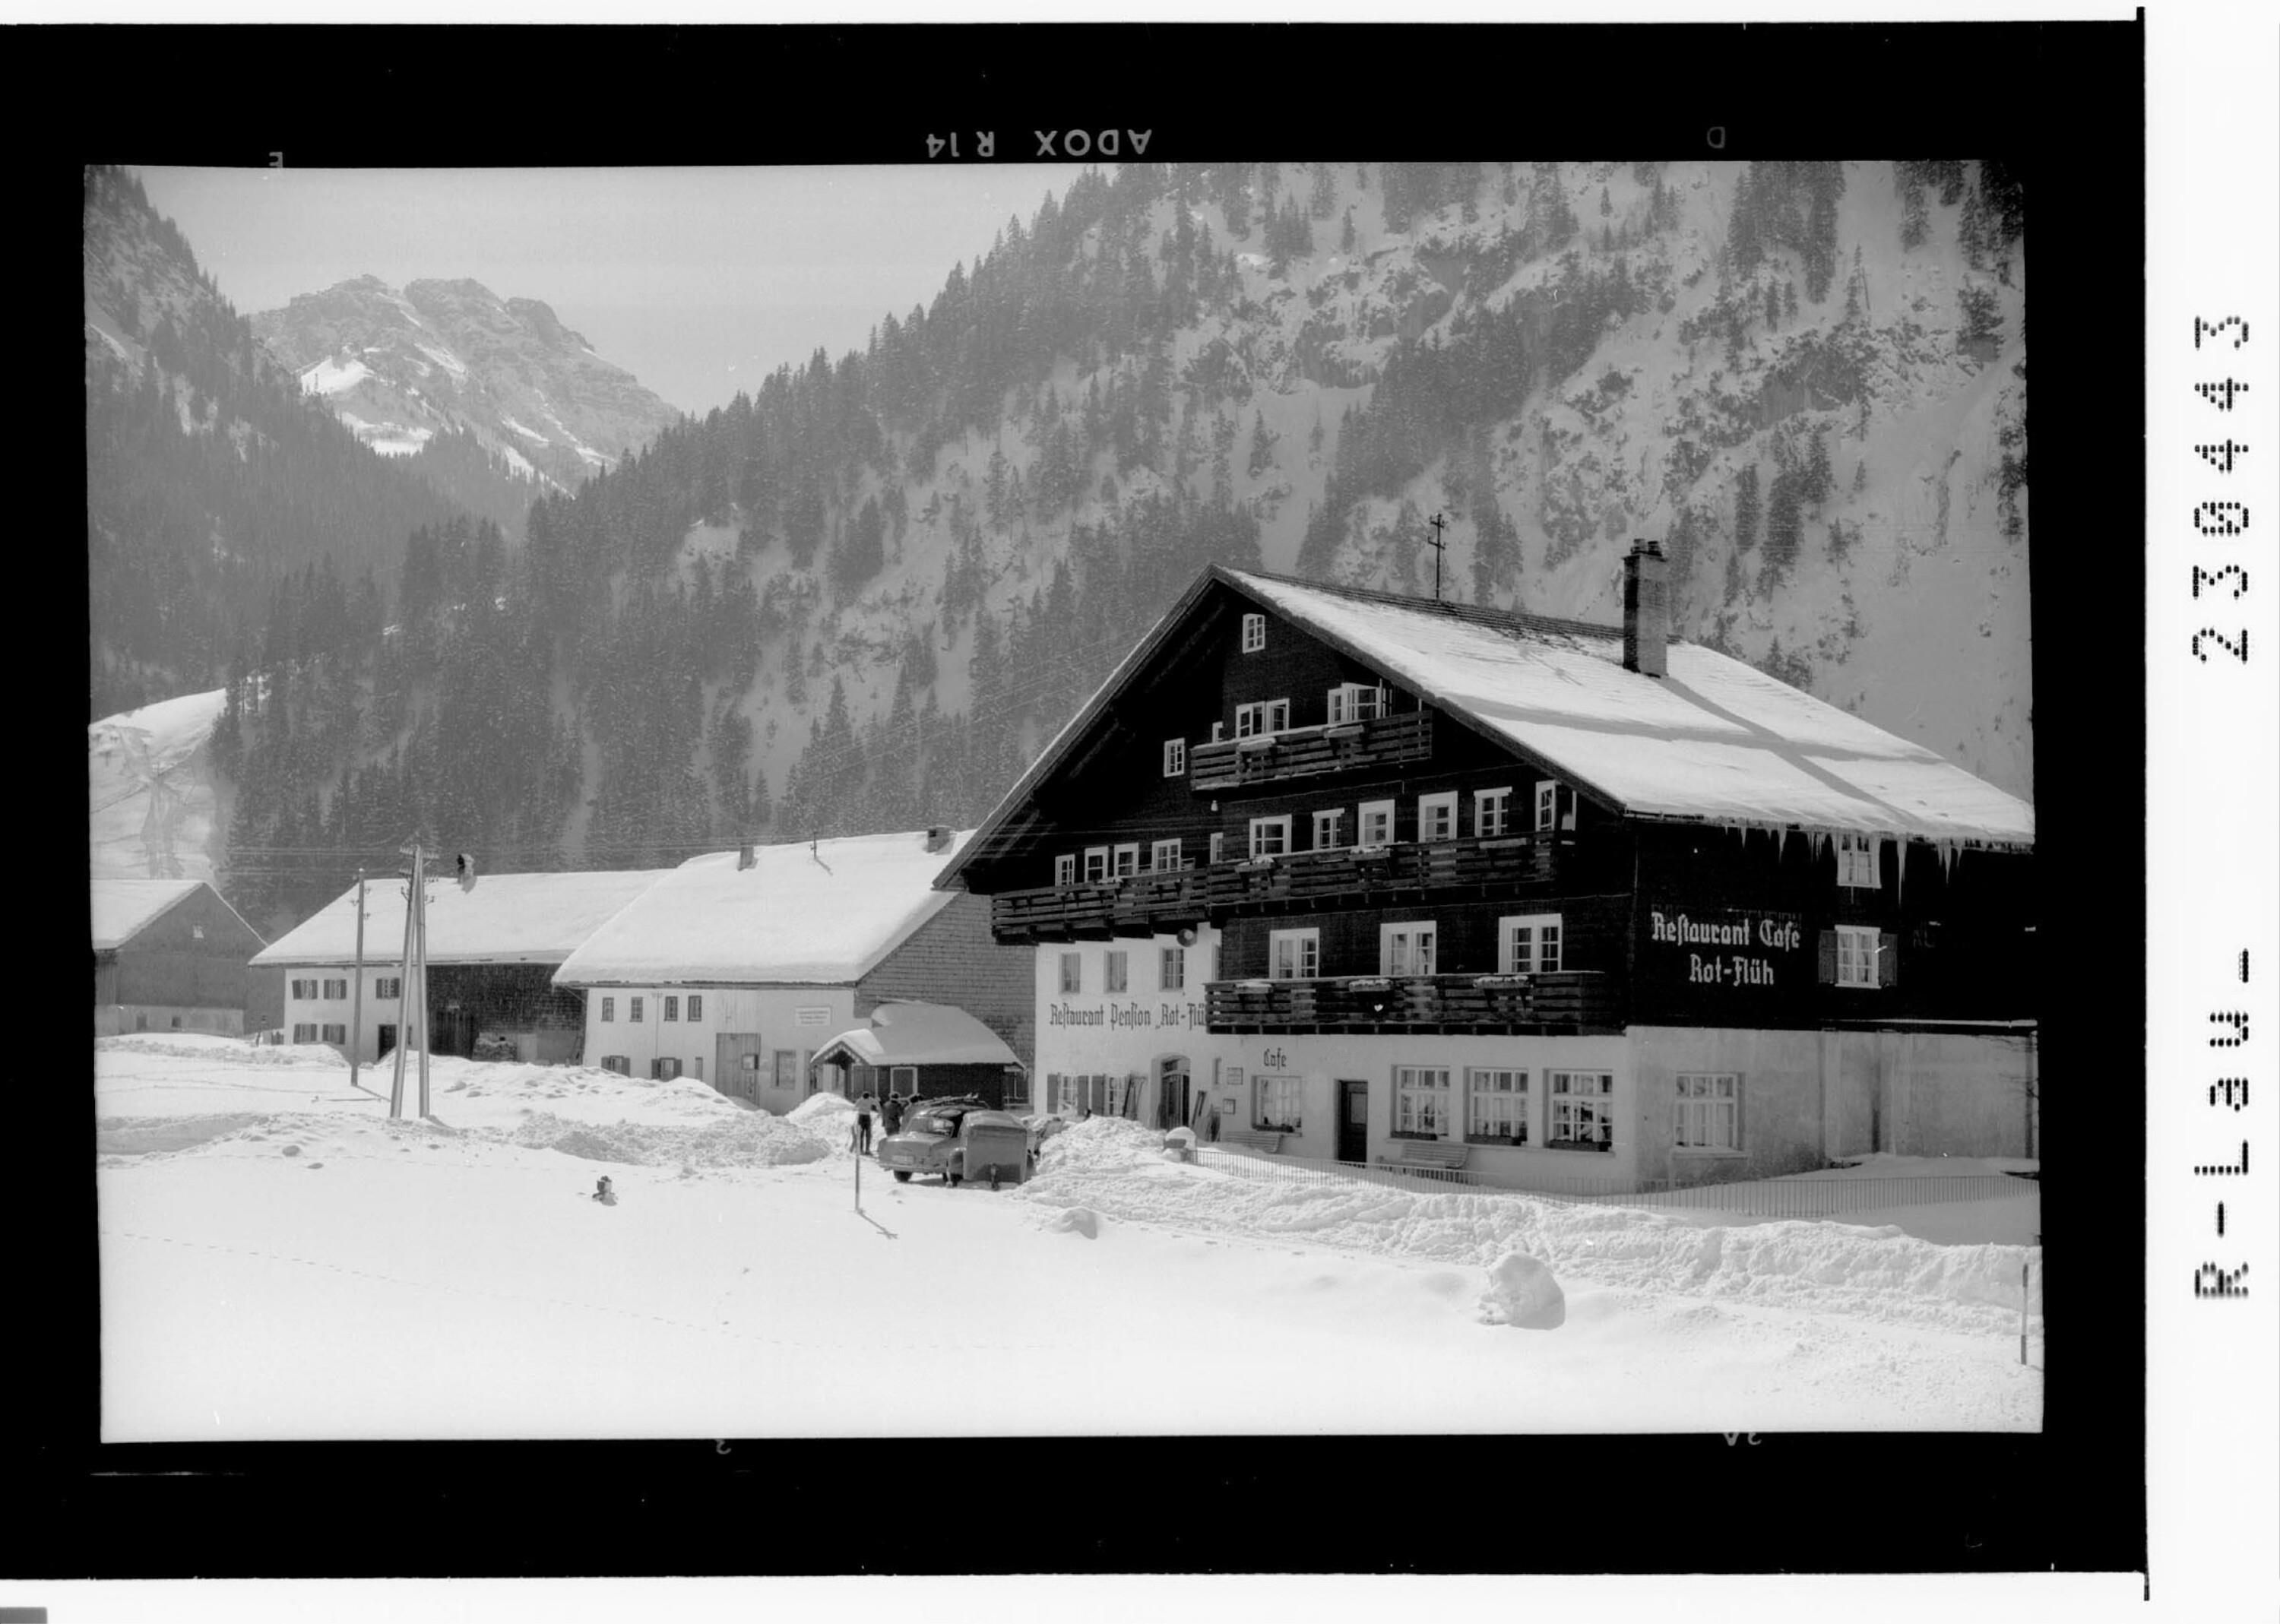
(1555, 1001)
(1309, 752)
(1140, 905)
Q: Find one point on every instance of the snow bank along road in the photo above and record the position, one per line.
(281, 1262)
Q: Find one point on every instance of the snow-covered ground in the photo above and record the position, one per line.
(278, 1260)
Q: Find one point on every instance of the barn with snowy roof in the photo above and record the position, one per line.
(738, 967)
(492, 949)
(170, 955)
(1537, 902)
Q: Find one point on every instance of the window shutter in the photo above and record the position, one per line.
(1828, 958)
(1888, 959)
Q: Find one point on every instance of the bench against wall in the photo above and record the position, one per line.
(1437, 1153)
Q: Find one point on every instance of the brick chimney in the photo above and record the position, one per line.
(744, 858)
(1646, 610)
(937, 838)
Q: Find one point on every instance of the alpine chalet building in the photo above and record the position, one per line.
(1563, 905)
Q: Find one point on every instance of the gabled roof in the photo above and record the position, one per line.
(822, 912)
(118, 908)
(920, 1035)
(1714, 741)
(505, 919)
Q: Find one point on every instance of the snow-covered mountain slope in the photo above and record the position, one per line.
(1901, 593)
(151, 801)
(399, 367)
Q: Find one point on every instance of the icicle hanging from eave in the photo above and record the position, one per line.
(1781, 840)
(1900, 882)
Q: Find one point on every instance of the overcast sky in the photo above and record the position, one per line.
(699, 282)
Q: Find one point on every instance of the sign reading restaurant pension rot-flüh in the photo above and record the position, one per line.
(1729, 949)
(1176, 1017)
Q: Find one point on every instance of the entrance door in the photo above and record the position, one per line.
(736, 1065)
(1353, 1121)
(387, 1039)
(1172, 1092)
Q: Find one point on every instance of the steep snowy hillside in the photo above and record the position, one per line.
(151, 800)
(1885, 571)
(399, 368)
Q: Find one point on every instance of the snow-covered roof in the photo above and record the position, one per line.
(922, 1034)
(118, 908)
(505, 919)
(808, 913)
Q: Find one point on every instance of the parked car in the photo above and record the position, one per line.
(959, 1138)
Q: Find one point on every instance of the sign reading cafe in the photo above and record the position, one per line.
(1730, 950)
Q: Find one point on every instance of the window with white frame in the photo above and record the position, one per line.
(1496, 1105)
(1528, 942)
(1436, 816)
(1856, 861)
(1708, 1112)
(1096, 864)
(304, 1032)
(1330, 829)
(1261, 717)
(1164, 856)
(1857, 956)
(1281, 1101)
(1356, 701)
(1583, 1111)
(1421, 1102)
(1547, 804)
(1405, 949)
(1065, 868)
(1492, 811)
(388, 986)
(1072, 972)
(1254, 633)
(633, 1009)
(336, 988)
(1115, 970)
(1175, 758)
(672, 1010)
(1218, 848)
(1294, 955)
(336, 1032)
(1270, 836)
(1172, 966)
(1126, 859)
(695, 1006)
(1376, 823)
(609, 1009)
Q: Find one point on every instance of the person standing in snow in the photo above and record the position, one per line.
(890, 1114)
(863, 1108)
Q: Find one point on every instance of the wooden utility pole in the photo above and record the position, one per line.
(402, 1006)
(419, 902)
(1439, 545)
(356, 989)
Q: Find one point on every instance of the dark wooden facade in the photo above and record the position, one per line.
(1662, 922)
(193, 956)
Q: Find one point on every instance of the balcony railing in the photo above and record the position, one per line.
(1351, 876)
(1306, 752)
(1559, 999)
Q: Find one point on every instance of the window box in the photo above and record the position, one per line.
(1500, 983)
(1577, 1144)
(1511, 1142)
(1369, 984)
(1259, 988)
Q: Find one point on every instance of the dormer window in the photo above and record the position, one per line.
(1856, 861)
(1254, 633)
(1356, 701)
